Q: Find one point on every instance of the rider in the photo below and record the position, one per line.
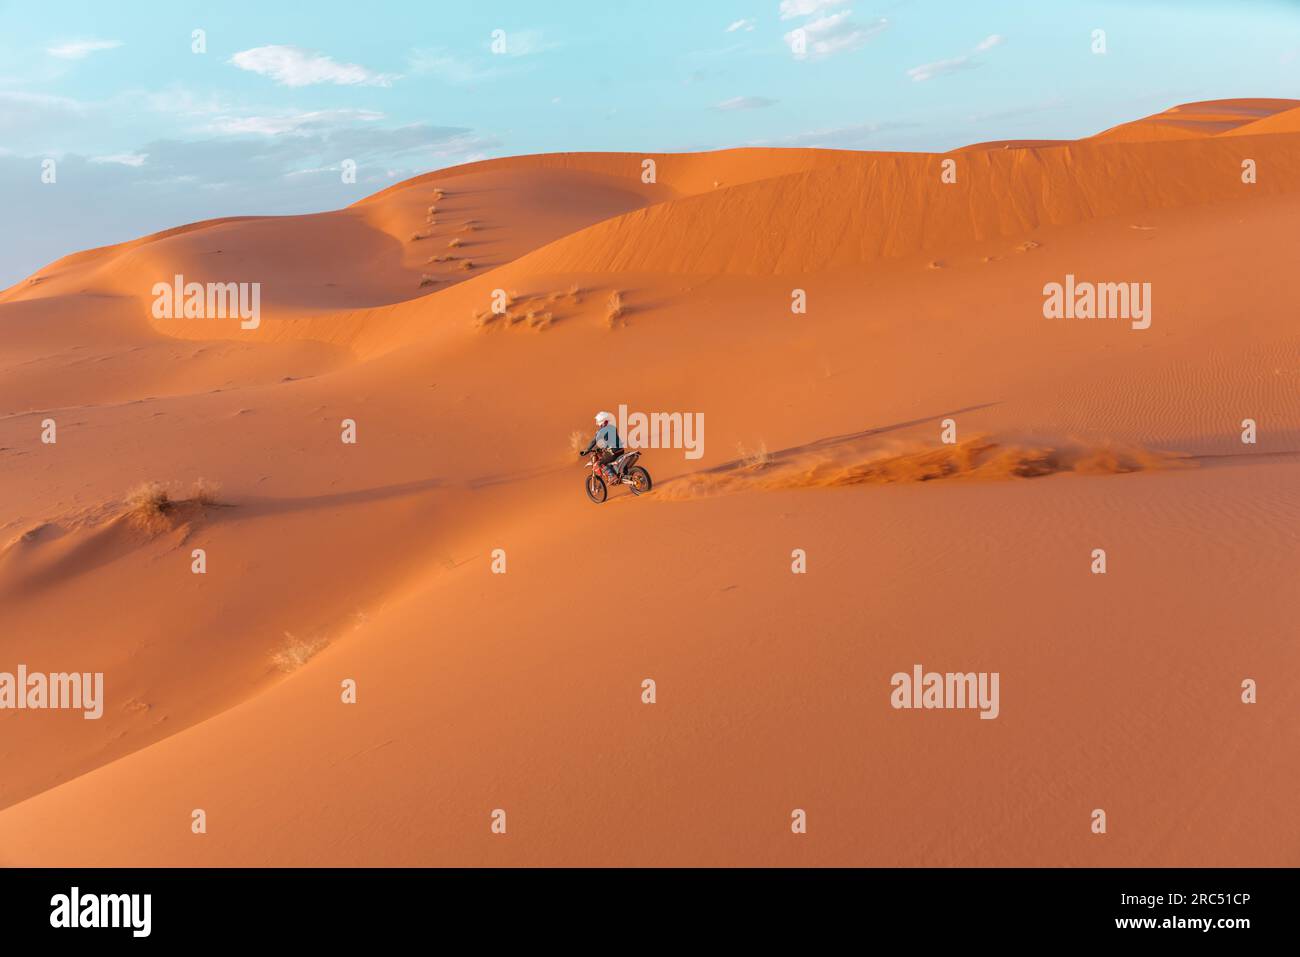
(606, 440)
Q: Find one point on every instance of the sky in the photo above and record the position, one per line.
(148, 128)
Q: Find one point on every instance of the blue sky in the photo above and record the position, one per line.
(148, 134)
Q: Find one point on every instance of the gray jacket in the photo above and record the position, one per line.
(606, 438)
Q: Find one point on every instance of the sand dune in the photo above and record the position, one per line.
(1195, 120)
(885, 206)
(373, 561)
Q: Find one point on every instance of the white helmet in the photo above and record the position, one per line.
(603, 417)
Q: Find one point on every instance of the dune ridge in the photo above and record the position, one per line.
(887, 206)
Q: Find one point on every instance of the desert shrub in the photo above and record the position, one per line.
(755, 458)
(614, 308)
(149, 498)
(205, 493)
(295, 652)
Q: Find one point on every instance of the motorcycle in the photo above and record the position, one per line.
(622, 470)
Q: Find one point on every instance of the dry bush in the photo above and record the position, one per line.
(754, 458)
(427, 280)
(205, 493)
(540, 320)
(416, 237)
(614, 308)
(453, 244)
(295, 653)
(148, 506)
(433, 210)
(151, 508)
(466, 265)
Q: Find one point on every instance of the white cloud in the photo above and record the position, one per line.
(183, 102)
(745, 103)
(122, 159)
(831, 34)
(291, 123)
(45, 101)
(292, 66)
(928, 71)
(80, 49)
(804, 8)
(34, 116)
(743, 24)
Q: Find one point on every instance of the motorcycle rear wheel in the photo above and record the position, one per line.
(639, 479)
(597, 491)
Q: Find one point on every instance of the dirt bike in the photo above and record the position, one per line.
(621, 470)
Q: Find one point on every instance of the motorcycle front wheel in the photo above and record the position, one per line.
(639, 479)
(596, 490)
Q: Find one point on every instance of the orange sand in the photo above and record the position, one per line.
(519, 691)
